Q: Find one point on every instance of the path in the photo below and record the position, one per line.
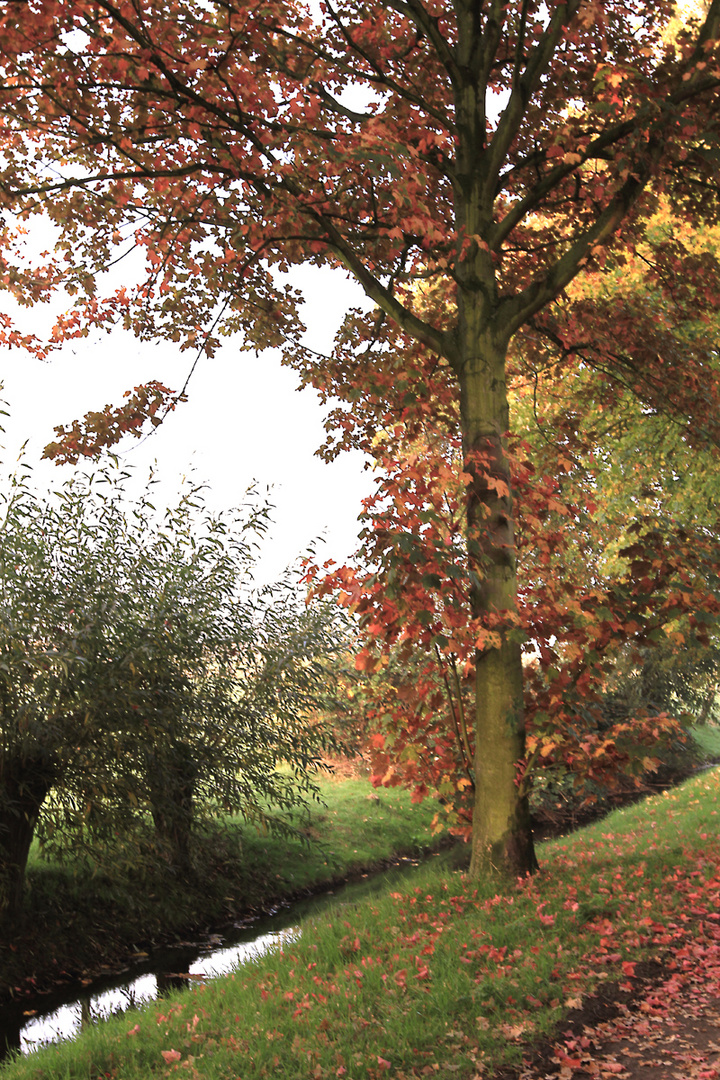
(661, 1024)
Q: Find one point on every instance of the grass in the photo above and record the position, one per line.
(438, 975)
(78, 920)
(708, 739)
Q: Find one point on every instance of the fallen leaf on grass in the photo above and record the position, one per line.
(513, 1031)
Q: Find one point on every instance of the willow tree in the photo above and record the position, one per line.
(503, 146)
(141, 677)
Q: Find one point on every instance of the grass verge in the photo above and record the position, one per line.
(707, 736)
(78, 921)
(440, 976)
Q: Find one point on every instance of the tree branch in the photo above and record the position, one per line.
(523, 88)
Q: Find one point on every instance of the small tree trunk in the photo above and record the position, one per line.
(708, 704)
(25, 783)
(172, 774)
(502, 830)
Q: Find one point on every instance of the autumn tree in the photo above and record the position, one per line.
(502, 147)
(608, 459)
(603, 582)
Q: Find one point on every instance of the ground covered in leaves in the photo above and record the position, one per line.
(605, 962)
(661, 1023)
(661, 1019)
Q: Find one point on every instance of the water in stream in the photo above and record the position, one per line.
(62, 1016)
(171, 968)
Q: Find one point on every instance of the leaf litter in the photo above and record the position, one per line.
(661, 1023)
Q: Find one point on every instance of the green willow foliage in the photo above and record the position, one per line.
(141, 678)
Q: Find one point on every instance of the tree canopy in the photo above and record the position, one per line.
(496, 149)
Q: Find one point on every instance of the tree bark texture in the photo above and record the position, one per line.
(502, 833)
(25, 783)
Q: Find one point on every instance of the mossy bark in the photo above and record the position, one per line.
(502, 835)
(502, 832)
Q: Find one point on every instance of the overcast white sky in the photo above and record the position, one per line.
(244, 422)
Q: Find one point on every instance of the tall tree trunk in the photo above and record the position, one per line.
(502, 832)
(25, 783)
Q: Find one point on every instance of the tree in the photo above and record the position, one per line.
(600, 466)
(601, 586)
(141, 678)
(505, 148)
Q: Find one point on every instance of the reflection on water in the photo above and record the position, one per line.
(170, 968)
(66, 1021)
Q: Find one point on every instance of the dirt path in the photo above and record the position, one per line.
(677, 1047)
(662, 1023)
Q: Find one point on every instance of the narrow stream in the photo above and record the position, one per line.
(53, 1017)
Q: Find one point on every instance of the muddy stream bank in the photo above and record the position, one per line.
(33, 1021)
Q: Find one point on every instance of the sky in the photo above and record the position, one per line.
(244, 422)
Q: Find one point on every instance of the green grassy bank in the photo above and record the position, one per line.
(79, 919)
(438, 975)
(707, 738)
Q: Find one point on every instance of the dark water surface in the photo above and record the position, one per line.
(52, 1017)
